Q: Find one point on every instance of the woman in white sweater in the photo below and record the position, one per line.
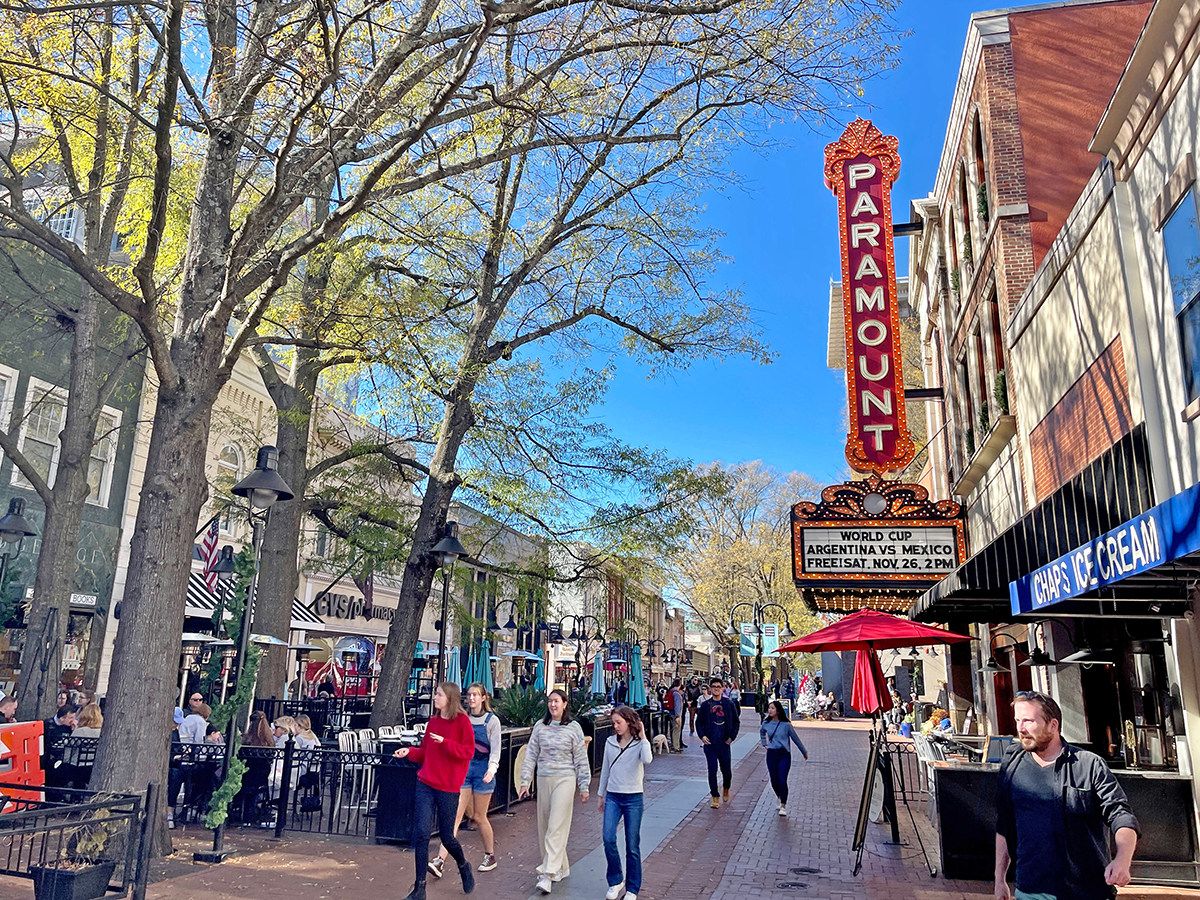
(477, 790)
(557, 750)
(626, 755)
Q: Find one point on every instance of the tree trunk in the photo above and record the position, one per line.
(133, 746)
(279, 575)
(41, 662)
(418, 572)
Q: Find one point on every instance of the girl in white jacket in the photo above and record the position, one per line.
(626, 755)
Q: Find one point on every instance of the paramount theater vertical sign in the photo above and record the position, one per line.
(873, 543)
(860, 169)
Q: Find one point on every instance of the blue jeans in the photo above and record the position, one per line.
(630, 806)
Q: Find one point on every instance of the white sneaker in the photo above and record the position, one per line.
(631, 896)
(543, 884)
(782, 810)
(614, 891)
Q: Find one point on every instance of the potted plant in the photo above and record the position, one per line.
(82, 872)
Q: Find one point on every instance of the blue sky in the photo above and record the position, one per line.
(781, 231)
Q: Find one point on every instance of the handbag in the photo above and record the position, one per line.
(310, 803)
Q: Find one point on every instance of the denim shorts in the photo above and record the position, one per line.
(475, 782)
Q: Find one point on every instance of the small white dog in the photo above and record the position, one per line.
(661, 744)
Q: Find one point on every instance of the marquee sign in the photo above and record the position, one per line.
(872, 535)
(860, 169)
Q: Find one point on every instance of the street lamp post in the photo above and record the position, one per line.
(14, 528)
(261, 488)
(447, 550)
(759, 611)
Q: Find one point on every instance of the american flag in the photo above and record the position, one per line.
(208, 552)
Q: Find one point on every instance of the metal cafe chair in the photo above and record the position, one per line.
(356, 772)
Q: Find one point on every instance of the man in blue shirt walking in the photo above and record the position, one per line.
(718, 724)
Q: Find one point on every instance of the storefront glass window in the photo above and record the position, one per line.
(1181, 240)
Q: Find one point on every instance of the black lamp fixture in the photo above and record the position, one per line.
(991, 666)
(14, 527)
(263, 486)
(1087, 656)
(1038, 657)
(224, 567)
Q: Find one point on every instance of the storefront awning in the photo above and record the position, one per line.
(1110, 491)
(1141, 547)
(202, 602)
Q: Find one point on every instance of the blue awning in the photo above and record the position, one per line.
(1161, 535)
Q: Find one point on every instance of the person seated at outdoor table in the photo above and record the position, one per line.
(54, 731)
(78, 759)
(195, 724)
(258, 732)
(285, 727)
(305, 739)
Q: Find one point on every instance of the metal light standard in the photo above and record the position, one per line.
(447, 551)
(262, 488)
(14, 528)
(759, 609)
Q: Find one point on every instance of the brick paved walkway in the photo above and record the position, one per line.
(743, 850)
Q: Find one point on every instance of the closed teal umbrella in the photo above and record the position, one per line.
(454, 666)
(598, 674)
(472, 665)
(637, 682)
(539, 681)
(484, 675)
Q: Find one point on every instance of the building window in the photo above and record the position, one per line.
(8, 386)
(62, 223)
(45, 413)
(981, 189)
(1181, 240)
(229, 473)
(103, 458)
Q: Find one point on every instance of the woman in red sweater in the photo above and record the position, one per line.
(444, 755)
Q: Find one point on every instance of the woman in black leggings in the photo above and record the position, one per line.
(776, 734)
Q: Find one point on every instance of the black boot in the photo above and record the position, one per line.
(418, 891)
(468, 877)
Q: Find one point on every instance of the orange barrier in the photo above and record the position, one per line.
(21, 761)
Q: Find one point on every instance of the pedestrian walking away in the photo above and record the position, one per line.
(476, 793)
(693, 701)
(776, 734)
(718, 724)
(444, 756)
(626, 755)
(1053, 804)
(676, 706)
(557, 750)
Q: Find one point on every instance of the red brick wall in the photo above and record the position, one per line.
(1091, 417)
(1066, 63)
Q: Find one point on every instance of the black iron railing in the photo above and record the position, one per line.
(74, 834)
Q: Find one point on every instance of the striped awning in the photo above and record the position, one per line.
(303, 618)
(202, 602)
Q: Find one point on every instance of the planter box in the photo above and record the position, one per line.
(88, 883)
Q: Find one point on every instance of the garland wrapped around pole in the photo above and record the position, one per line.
(223, 715)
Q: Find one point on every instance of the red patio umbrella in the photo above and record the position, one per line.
(867, 631)
(869, 696)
